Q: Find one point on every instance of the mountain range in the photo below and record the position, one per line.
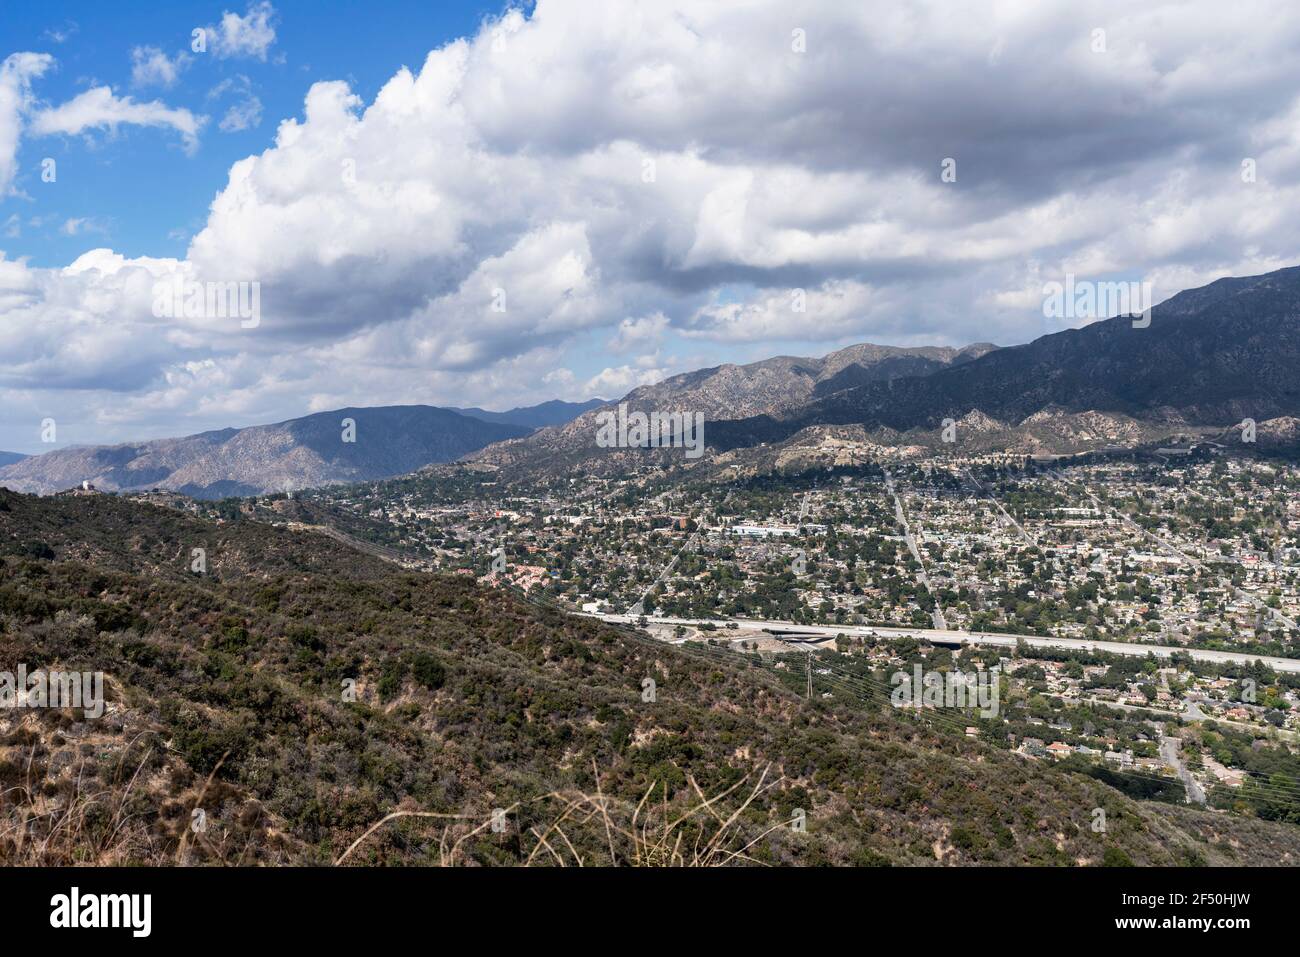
(782, 384)
(1207, 359)
(777, 386)
(294, 454)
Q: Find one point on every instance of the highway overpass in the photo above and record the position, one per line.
(818, 634)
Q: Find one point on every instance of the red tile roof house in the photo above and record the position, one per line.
(1058, 749)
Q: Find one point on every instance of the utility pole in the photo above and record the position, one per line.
(809, 674)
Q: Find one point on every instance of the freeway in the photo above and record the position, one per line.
(948, 636)
(828, 632)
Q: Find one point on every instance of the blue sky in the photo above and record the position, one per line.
(137, 190)
(469, 205)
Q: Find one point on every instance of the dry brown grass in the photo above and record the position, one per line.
(77, 825)
(131, 808)
(702, 832)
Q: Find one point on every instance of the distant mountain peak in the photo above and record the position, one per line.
(776, 386)
(1210, 357)
(313, 450)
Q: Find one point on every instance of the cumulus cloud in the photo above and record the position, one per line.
(620, 380)
(251, 35)
(639, 333)
(594, 182)
(98, 108)
(87, 326)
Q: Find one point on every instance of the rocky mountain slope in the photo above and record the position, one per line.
(783, 383)
(293, 454)
(228, 693)
(774, 386)
(1209, 358)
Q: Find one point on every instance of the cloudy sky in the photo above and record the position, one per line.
(485, 205)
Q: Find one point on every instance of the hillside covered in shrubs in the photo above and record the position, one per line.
(496, 731)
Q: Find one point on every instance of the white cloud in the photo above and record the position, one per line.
(251, 35)
(538, 292)
(16, 75)
(244, 115)
(81, 225)
(88, 326)
(238, 83)
(639, 333)
(618, 381)
(151, 67)
(623, 172)
(61, 34)
(834, 310)
(99, 108)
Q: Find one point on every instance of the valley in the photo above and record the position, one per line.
(229, 694)
(409, 634)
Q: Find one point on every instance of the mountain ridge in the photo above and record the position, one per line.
(551, 412)
(728, 390)
(1211, 356)
(294, 453)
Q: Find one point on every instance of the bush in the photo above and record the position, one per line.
(428, 671)
(1114, 857)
